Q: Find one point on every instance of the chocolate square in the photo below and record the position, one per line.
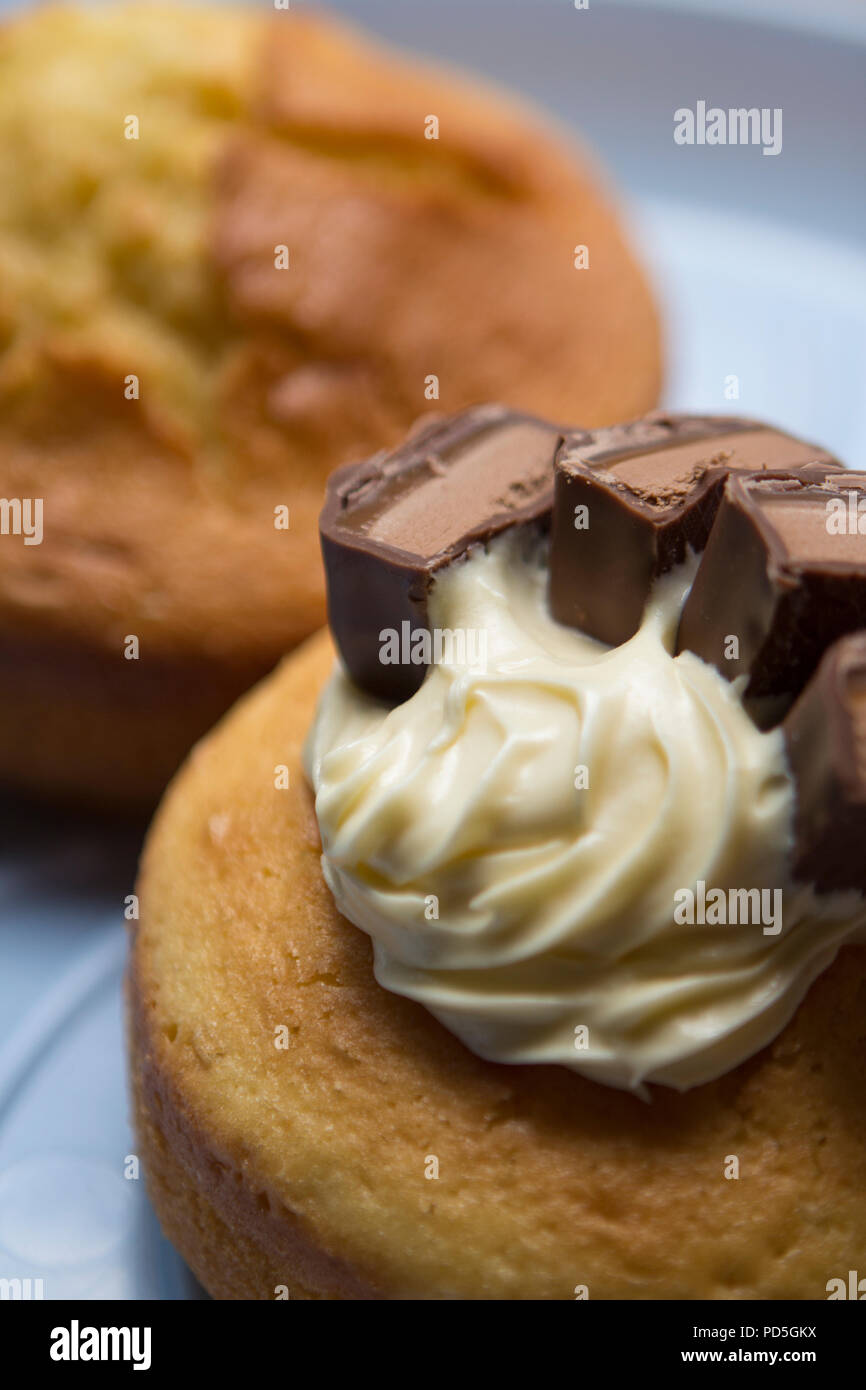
(630, 501)
(825, 737)
(391, 524)
(782, 577)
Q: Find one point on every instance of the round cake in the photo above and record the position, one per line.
(518, 953)
(306, 1133)
(238, 249)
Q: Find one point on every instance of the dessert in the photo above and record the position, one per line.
(591, 970)
(781, 579)
(232, 258)
(389, 527)
(631, 500)
(825, 738)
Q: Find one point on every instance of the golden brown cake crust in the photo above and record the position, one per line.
(305, 1166)
(155, 258)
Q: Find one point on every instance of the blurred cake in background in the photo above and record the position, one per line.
(238, 249)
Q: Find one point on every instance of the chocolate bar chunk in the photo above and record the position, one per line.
(825, 736)
(782, 577)
(630, 500)
(390, 524)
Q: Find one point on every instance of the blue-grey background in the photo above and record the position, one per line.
(761, 267)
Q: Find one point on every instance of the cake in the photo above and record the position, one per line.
(442, 993)
(238, 248)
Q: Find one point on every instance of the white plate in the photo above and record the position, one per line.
(762, 268)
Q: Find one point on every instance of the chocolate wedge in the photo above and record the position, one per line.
(631, 500)
(391, 524)
(782, 577)
(825, 737)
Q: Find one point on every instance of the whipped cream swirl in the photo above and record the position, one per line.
(517, 836)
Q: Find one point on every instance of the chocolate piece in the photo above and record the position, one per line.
(825, 736)
(390, 524)
(630, 500)
(783, 576)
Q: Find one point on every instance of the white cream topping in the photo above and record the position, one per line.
(537, 919)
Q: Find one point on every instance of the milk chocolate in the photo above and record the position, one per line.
(632, 499)
(825, 737)
(391, 524)
(782, 577)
